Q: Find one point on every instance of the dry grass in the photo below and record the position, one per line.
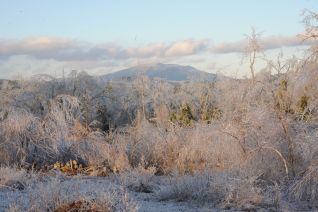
(53, 194)
(222, 190)
(84, 205)
(140, 179)
(14, 178)
(306, 187)
(198, 188)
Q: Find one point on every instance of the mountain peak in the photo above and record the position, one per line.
(171, 72)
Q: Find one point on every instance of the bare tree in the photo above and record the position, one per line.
(311, 32)
(311, 24)
(281, 65)
(252, 50)
(141, 85)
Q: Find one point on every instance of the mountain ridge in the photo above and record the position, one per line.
(171, 72)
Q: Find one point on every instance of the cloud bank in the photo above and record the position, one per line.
(36, 55)
(71, 50)
(266, 43)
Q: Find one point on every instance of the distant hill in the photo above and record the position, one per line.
(169, 72)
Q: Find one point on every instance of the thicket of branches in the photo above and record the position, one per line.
(263, 132)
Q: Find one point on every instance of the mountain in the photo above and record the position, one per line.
(171, 72)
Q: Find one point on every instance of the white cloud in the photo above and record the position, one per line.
(186, 47)
(46, 54)
(38, 47)
(266, 43)
(70, 50)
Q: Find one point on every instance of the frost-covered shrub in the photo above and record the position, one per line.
(23, 139)
(16, 179)
(140, 179)
(221, 190)
(64, 111)
(305, 188)
(56, 194)
(198, 188)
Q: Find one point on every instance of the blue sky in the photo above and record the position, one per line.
(169, 31)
